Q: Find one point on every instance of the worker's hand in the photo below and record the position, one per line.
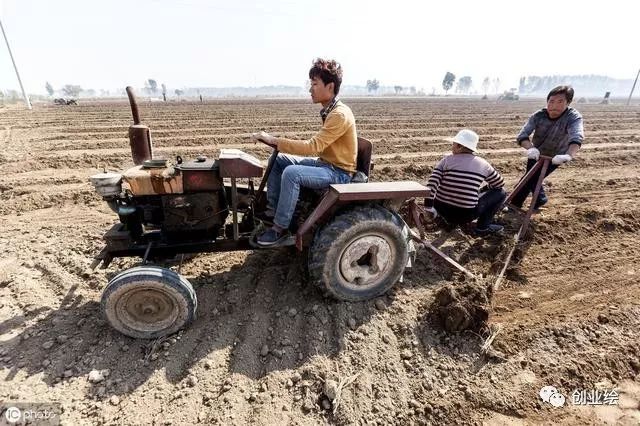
(265, 138)
(561, 159)
(533, 153)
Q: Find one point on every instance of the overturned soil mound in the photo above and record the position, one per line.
(463, 307)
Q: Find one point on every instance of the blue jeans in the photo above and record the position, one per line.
(288, 174)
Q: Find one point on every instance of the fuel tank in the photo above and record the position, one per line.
(153, 177)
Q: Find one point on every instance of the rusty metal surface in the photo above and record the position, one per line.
(379, 190)
(234, 208)
(416, 218)
(134, 105)
(140, 143)
(524, 179)
(440, 253)
(139, 136)
(323, 207)
(200, 175)
(261, 192)
(543, 164)
(527, 217)
(237, 164)
(144, 181)
(342, 193)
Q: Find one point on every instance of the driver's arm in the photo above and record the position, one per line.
(335, 126)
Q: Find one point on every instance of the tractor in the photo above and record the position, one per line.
(354, 235)
(63, 101)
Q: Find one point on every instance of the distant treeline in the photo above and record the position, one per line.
(291, 91)
(584, 85)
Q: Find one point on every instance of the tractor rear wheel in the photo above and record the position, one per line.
(359, 254)
(148, 302)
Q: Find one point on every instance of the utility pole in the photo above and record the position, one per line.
(633, 88)
(26, 98)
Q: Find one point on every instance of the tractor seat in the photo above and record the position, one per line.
(363, 159)
(363, 165)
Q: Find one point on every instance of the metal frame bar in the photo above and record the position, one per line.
(234, 208)
(416, 218)
(329, 199)
(543, 165)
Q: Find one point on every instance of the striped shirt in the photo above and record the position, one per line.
(457, 178)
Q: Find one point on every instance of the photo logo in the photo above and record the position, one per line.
(13, 415)
(551, 395)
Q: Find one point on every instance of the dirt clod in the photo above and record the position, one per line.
(463, 307)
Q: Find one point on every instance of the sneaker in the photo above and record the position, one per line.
(271, 237)
(491, 229)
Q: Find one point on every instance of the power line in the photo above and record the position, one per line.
(26, 98)
(633, 88)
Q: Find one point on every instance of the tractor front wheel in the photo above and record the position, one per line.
(148, 302)
(359, 254)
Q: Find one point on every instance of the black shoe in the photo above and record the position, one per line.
(491, 229)
(540, 202)
(271, 237)
(518, 205)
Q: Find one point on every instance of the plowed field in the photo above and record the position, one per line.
(266, 345)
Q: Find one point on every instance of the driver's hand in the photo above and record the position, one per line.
(265, 138)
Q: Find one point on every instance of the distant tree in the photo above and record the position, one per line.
(464, 84)
(152, 85)
(164, 92)
(447, 82)
(521, 86)
(485, 85)
(72, 90)
(398, 89)
(90, 92)
(49, 88)
(496, 85)
(178, 92)
(412, 90)
(373, 85)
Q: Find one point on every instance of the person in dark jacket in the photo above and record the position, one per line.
(557, 132)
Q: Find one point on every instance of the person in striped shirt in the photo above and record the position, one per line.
(456, 182)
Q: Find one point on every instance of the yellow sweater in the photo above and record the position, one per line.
(335, 143)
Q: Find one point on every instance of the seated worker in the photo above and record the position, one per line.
(336, 145)
(455, 186)
(557, 132)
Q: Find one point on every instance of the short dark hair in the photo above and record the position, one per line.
(567, 91)
(329, 71)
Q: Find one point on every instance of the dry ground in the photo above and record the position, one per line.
(265, 345)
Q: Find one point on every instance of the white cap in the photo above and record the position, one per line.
(467, 138)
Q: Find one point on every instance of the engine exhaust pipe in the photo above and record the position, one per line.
(139, 135)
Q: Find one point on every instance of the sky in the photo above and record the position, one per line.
(199, 43)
